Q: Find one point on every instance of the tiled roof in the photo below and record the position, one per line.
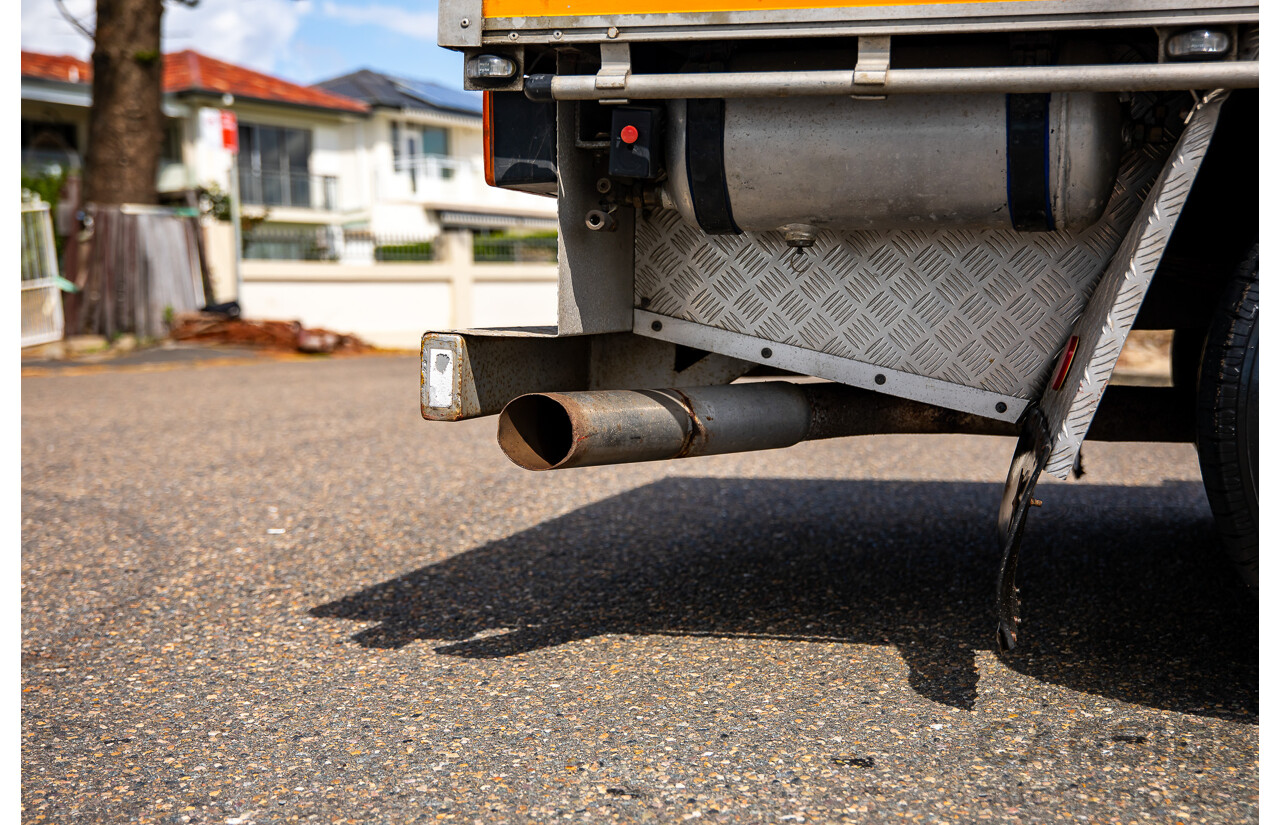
(190, 71)
(401, 93)
(61, 67)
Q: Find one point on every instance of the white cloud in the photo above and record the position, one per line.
(252, 33)
(418, 24)
(44, 29)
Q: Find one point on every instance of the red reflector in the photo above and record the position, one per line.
(1064, 363)
(630, 134)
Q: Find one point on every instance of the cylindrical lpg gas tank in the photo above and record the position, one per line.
(1029, 162)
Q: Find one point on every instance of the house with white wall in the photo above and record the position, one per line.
(424, 160)
(298, 178)
(365, 210)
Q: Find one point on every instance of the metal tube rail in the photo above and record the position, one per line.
(1138, 77)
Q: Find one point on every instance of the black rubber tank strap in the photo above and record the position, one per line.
(704, 165)
(1027, 158)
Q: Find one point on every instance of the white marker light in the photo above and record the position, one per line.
(1199, 43)
(490, 67)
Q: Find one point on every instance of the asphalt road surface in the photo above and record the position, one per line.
(272, 593)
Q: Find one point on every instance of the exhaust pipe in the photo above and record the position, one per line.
(555, 430)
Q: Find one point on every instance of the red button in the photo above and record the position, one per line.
(629, 134)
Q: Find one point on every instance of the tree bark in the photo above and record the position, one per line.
(126, 125)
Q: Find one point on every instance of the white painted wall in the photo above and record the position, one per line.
(508, 304)
(219, 254)
(389, 315)
(327, 154)
(390, 305)
(407, 220)
(467, 143)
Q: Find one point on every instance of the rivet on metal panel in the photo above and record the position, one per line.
(464, 22)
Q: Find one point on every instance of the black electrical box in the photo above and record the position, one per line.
(635, 142)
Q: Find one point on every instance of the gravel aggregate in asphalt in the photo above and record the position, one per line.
(272, 593)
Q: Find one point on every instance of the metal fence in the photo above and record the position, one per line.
(499, 249)
(327, 243)
(42, 320)
(331, 243)
(321, 243)
(382, 247)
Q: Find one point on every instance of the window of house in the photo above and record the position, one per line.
(171, 152)
(435, 141)
(275, 165)
(48, 147)
(415, 149)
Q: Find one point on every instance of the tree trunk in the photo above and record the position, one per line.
(126, 126)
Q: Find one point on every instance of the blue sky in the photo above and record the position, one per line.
(300, 40)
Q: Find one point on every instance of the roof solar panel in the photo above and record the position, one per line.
(433, 94)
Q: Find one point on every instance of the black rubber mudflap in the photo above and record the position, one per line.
(1029, 458)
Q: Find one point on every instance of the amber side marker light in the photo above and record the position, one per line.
(487, 118)
(1064, 363)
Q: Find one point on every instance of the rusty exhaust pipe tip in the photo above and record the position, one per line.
(547, 431)
(558, 430)
(535, 431)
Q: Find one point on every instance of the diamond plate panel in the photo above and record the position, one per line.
(1113, 308)
(987, 309)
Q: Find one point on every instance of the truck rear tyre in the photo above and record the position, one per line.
(1227, 419)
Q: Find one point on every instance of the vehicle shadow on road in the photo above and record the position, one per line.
(1124, 593)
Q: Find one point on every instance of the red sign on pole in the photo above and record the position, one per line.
(230, 135)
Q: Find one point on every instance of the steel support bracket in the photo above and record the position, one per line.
(872, 70)
(615, 68)
(1029, 458)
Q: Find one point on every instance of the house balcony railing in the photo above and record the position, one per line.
(299, 190)
(425, 170)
